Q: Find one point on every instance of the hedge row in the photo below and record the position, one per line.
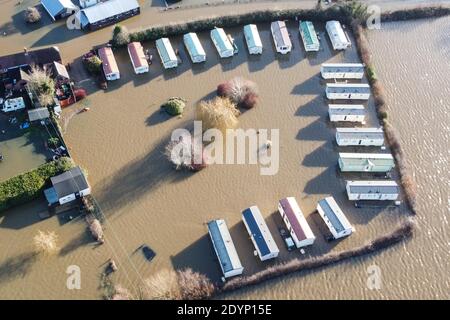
(415, 13)
(30, 185)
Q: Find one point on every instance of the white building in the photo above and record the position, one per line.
(138, 57)
(88, 3)
(346, 113)
(360, 137)
(296, 223)
(338, 37)
(342, 70)
(13, 104)
(334, 218)
(309, 36)
(372, 190)
(109, 64)
(280, 35)
(224, 247)
(366, 162)
(58, 9)
(194, 47)
(222, 43)
(253, 39)
(260, 234)
(67, 187)
(348, 91)
(166, 53)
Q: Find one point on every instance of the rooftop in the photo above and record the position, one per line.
(108, 9)
(38, 57)
(334, 214)
(280, 33)
(108, 60)
(69, 182)
(381, 186)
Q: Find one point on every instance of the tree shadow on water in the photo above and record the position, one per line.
(17, 266)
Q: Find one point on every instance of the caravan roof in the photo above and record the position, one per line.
(221, 39)
(252, 36)
(309, 35)
(343, 67)
(280, 33)
(362, 133)
(334, 214)
(137, 54)
(381, 186)
(296, 218)
(109, 63)
(193, 44)
(107, 9)
(165, 49)
(348, 88)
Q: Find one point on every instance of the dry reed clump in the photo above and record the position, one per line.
(40, 82)
(242, 92)
(162, 286)
(46, 242)
(220, 113)
(96, 229)
(404, 231)
(121, 293)
(194, 285)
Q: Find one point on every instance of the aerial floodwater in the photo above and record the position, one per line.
(121, 141)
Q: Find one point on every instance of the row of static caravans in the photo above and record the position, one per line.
(261, 237)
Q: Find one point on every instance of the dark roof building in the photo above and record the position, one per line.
(67, 187)
(41, 58)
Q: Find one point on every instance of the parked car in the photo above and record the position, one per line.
(287, 239)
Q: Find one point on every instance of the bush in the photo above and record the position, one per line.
(174, 106)
(53, 142)
(96, 229)
(32, 15)
(194, 286)
(162, 286)
(371, 75)
(242, 92)
(93, 65)
(29, 186)
(219, 113)
(121, 36)
(46, 242)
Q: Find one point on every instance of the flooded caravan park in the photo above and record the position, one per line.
(146, 201)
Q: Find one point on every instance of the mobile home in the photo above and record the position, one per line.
(58, 9)
(224, 248)
(138, 57)
(342, 70)
(359, 137)
(109, 63)
(13, 104)
(334, 218)
(280, 35)
(252, 39)
(259, 233)
(366, 162)
(295, 222)
(348, 91)
(338, 38)
(222, 43)
(309, 36)
(372, 190)
(166, 53)
(194, 47)
(346, 113)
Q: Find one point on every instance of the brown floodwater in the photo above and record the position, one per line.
(120, 142)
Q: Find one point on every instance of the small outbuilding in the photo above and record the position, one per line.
(260, 234)
(348, 91)
(229, 261)
(58, 9)
(280, 35)
(109, 64)
(372, 190)
(296, 222)
(346, 113)
(67, 187)
(360, 137)
(366, 162)
(342, 70)
(339, 39)
(194, 47)
(107, 13)
(166, 53)
(309, 36)
(334, 218)
(138, 57)
(252, 38)
(222, 43)
(38, 114)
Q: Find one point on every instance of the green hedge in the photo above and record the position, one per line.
(156, 32)
(30, 185)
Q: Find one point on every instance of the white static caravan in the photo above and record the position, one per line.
(252, 39)
(346, 113)
(166, 53)
(295, 222)
(13, 104)
(309, 36)
(366, 162)
(342, 70)
(372, 190)
(194, 47)
(138, 57)
(109, 64)
(224, 248)
(359, 137)
(260, 234)
(338, 38)
(334, 218)
(348, 91)
(222, 43)
(280, 35)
